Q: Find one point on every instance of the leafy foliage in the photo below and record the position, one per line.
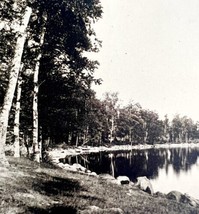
(68, 109)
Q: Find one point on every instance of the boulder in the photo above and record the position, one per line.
(93, 174)
(123, 180)
(68, 167)
(79, 167)
(187, 199)
(61, 165)
(174, 195)
(160, 194)
(55, 160)
(183, 198)
(144, 184)
(131, 183)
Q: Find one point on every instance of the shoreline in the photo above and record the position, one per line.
(60, 153)
(41, 188)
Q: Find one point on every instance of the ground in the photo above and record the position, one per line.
(28, 187)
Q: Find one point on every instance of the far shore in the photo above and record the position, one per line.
(59, 152)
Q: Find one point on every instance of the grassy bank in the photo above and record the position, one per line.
(27, 187)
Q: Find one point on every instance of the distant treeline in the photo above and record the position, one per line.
(84, 120)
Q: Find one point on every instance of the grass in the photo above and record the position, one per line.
(27, 187)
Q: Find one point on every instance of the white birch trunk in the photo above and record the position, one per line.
(130, 136)
(4, 116)
(145, 132)
(37, 147)
(16, 120)
(112, 129)
(35, 114)
(77, 139)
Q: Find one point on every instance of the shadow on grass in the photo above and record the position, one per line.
(90, 198)
(56, 186)
(53, 210)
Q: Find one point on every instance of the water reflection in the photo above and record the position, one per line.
(163, 166)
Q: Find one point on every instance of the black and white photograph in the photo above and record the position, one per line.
(99, 107)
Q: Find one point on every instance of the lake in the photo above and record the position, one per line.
(168, 169)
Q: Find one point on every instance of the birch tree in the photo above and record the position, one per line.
(13, 76)
(37, 145)
(17, 116)
(111, 103)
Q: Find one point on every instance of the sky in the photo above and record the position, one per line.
(150, 54)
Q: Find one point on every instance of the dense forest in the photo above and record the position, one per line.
(45, 89)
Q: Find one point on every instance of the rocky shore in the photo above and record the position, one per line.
(29, 187)
(142, 183)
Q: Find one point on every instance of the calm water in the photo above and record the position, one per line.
(168, 169)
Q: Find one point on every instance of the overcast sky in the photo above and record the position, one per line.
(150, 54)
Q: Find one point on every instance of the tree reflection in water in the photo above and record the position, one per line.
(168, 169)
(136, 163)
(166, 166)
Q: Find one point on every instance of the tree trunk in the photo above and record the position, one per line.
(37, 148)
(4, 116)
(112, 169)
(77, 140)
(130, 136)
(145, 132)
(180, 137)
(112, 129)
(26, 143)
(85, 136)
(145, 136)
(16, 120)
(100, 140)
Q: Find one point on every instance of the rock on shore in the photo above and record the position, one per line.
(144, 184)
(183, 198)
